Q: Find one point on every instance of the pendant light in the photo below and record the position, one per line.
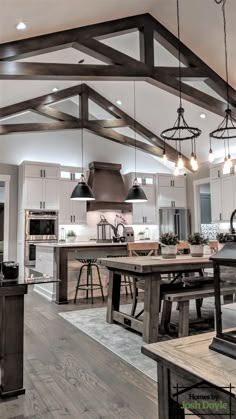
(227, 128)
(82, 191)
(181, 131)
(135, 193)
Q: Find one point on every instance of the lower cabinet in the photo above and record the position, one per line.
(71, 212)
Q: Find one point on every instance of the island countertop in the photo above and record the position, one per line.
(81, 244)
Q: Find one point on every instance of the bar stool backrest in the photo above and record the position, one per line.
(149, 249)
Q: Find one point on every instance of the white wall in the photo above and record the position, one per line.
(65, 148)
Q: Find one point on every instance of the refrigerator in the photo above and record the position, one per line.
(177, 221)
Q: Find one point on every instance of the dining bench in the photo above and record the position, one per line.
(183, 297)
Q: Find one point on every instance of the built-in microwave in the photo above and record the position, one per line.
(41, 225)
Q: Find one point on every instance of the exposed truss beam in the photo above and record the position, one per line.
(38, 127)
(54, 114)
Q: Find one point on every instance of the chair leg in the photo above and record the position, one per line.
(166, 316)
(198, 307)
(100, 281)
(90, 270)
(135, 297)
(183, 318)
(78, 282)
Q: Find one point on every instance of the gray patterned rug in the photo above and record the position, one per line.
(125, 343)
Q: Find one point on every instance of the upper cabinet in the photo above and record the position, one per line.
(38, 186)
(223, 193)
(71, 212)
(70, 173)
(144, 213)
(171, 191)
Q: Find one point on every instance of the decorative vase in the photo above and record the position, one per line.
(196, 250)
(169, 251)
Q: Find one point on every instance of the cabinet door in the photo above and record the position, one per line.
(51, 172)
(138, 211)
(179, 182)
(215, 172)
(34, 193)
(79, 212)
(165, 180)
(65, 211)
(172, 197)
(149, 208)
(216, 202)
(33, 170)
(51, 194)
(227, 188)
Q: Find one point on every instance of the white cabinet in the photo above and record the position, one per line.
(216, 200)
(41, 193)
(143, 213)
(41, 170)
(228, 196)
(216, 171)
(71, 212)
(171, 191)
(70, 173)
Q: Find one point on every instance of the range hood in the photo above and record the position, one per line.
(108, 187)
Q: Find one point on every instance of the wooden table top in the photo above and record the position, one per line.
(149, 264)
(192, 354)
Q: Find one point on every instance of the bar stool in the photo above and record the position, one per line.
(88, 265)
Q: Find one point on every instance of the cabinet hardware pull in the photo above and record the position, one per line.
(71, 176)
(41, 173)
(71, 218)
(173, 183)
(218, 173)
(74, 218)
(40, 204)
(220, 216)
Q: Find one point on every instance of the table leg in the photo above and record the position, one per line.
(151, 308)
(12, 344)
(167, 407)
(183, 318)
(113, 299)
(62, 269)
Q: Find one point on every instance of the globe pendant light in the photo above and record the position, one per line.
(82, 191)
(181, 131)
(227, 128)
(135, 193)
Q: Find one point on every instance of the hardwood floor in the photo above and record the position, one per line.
(69, 375)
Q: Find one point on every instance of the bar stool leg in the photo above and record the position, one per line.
(100, 281)
(87, 282)
(78, 282)
(130, 287)
(90, 270)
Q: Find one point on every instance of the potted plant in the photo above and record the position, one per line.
(222, 239)
(168, 245)
(197, 242)
(71, 236)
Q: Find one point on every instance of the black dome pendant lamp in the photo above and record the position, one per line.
(135, 193)
(82, 191)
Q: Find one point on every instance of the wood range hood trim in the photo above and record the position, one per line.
(108, 187)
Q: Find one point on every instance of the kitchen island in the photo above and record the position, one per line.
(55, 258)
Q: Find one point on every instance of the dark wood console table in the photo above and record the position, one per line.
(12, 330)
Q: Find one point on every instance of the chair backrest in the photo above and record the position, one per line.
(150, 249)
(213, 244)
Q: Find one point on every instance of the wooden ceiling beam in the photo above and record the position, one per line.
(38, 127)
(53, 113)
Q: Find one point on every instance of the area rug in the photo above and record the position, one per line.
(123, 342)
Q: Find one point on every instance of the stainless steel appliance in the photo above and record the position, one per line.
(176, 221)
(40, 226)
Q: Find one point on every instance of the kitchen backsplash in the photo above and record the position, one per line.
(85, 232)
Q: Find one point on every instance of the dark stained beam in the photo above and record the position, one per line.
(51, 71)
(38, 127)
(109, 123)
(146, 43)
(54, 114)
(187, 73)
(59, 40)
(127, 141)
(39, 101)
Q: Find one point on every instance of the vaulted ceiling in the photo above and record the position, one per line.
(201, 30)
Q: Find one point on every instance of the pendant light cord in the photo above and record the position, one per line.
(180, 74)
(135, 139)
(223, 2)
(82, 130)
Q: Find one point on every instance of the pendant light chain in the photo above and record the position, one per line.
(179, 54)
(135, 139)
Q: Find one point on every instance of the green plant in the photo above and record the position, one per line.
(71, 233)
(169, 239)
(221, 237)
(197, 239)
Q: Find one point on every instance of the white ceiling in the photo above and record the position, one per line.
(201, 30)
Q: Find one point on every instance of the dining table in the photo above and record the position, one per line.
(150, 269)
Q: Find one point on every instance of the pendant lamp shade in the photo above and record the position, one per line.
(82, 191)
(136, 193)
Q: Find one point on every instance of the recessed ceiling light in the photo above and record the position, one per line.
(119, 102)
(21, 26)
(203, 115)
(55, 89)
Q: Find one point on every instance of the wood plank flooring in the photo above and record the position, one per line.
(69, 375)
